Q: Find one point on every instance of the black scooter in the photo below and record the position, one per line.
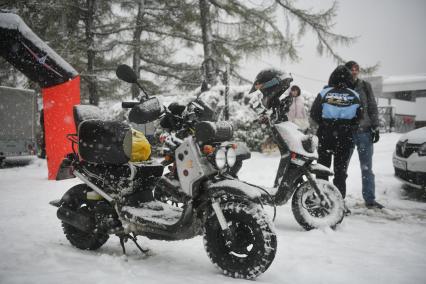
(116, 196)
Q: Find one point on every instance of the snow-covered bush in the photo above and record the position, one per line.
(243, 118)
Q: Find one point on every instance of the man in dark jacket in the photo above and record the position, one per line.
(366, 134)
(336, 110)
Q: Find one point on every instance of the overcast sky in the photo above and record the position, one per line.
(391, 32)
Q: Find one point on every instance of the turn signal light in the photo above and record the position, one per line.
(163, 138)
(293, 156)
(208, 149)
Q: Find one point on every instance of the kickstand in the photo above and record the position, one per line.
(133, 238)
(122, 240)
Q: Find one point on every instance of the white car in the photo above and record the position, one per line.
(409, 158)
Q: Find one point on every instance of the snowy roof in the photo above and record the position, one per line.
(13, 89)
(10, 21)
(404, 83)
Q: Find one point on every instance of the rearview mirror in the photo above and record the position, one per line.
(125, 72)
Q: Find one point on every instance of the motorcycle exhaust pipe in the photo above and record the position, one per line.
(75, 219)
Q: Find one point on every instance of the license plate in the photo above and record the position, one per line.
(400, 164)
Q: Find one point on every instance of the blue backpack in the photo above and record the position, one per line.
(339, 104)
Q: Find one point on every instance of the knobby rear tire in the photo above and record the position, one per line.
(76, 201)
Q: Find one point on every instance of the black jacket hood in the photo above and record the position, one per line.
(341, 77)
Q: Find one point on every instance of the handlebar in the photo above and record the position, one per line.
(170, 140)
(129, 104)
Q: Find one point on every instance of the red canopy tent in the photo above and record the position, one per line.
(59, 81)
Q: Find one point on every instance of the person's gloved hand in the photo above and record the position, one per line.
(375, 135)
(263, 119)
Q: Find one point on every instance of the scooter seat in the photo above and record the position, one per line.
(149, 168)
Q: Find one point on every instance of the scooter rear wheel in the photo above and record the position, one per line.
(80, 239)
(253, 243)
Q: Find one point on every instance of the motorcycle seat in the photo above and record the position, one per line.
(86, 112)
(149, 168)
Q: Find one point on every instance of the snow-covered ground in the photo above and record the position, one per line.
(368, 247)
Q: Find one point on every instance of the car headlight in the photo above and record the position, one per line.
(231, 157)
(422, 150)
(220, 158)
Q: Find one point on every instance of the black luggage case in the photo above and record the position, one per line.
(104, 142)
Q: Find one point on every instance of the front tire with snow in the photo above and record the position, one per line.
(310, 212)
(253, 243)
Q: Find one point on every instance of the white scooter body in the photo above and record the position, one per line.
(294, 139)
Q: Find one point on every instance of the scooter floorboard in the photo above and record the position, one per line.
(154, 212)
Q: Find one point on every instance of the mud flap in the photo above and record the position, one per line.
(320, 169)
(233, 187)
(65, 170)
(56, 203)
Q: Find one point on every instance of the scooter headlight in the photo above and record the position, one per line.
(220, 158)
(231, 157)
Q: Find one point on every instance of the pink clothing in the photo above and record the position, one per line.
(297, 113)
(297, 109)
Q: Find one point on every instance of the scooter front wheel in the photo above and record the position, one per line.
(249, 248)
(311, 212)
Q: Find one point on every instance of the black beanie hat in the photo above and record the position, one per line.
(351, 64)
(341, 77)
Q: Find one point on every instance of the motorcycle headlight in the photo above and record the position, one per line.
(231, 157)
(220, 158)
(422, 150)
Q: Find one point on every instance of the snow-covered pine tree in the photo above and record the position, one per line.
(233, 29)
(99, 36)
(158, 30)
(94, 36)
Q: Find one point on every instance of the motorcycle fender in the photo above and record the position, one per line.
(235, 188)
(69, 195)
(320, 169)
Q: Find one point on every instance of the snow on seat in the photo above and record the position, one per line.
(154, 211)
(295, 139)
(86, 112)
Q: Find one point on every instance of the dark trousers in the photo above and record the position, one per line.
(337, 143)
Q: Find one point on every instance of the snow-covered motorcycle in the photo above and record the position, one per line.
(117, 195)
(182, 120)
(315, 203)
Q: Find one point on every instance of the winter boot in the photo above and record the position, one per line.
(346, 210)
(374, 205)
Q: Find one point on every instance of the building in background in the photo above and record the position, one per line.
(401, 101)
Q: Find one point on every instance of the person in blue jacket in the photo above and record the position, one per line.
(337, 110)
